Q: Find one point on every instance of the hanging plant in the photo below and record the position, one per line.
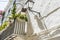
(26, 19)
(14, 10)
(19, 16)
(23, 17)
(4, 25)
(10, 17)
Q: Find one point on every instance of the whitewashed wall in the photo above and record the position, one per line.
(45, 7)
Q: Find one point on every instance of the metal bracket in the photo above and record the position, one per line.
(29, 1)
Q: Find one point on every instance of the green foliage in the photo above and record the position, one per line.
(14, 11)
(20, 16)
(26, 19)
(4, 25)
(10, 17)
(23, 17)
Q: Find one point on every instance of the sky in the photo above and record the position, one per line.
(3, 4)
